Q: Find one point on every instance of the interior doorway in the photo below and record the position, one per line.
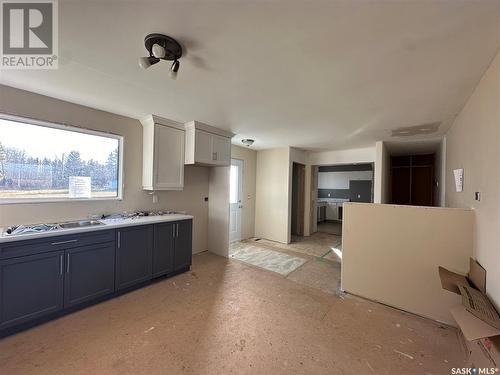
(298, 199)
(235, 199)
(336, 185)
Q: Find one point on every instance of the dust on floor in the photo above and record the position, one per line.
(320, 253)
(226, 317)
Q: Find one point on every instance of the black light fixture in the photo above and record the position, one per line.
(161, 47)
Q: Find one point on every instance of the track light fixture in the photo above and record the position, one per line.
(162, 47)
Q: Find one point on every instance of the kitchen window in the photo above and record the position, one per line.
(47, 162)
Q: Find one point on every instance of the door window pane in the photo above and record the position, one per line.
(233, 185)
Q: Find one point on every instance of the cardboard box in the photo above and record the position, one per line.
(477, 318)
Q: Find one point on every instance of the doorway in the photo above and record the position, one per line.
(298, 199)
(235, 198)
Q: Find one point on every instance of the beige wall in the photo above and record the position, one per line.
(191, 199)
(272, 199)
(218, 211)
(249, 158)
(473, 143)
(391, 255)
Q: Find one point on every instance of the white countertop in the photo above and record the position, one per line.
(107, 224)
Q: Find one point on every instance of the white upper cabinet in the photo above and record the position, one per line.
(207, 145)
(163, 154)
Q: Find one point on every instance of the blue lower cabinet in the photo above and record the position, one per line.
(134, 249)
(163, 250)
(30, 287)
(89, 273)
(183, 244)
(48, 277)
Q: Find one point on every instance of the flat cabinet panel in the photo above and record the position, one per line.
(169, 157)
(203, 147)
(221, 149)
(163, 251)
(207, 145)
(30, 287)
(134, 256)
(89, 273)
(183, 248)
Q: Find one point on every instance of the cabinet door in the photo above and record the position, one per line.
(183, 248)
(134, 256)
(203, 147)
(163, 249)
(221, 150)
(89, 273)
(168, 158)
(30, 287)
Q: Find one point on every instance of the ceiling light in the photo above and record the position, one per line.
(247, 142)
(174, 69)
(146, 62)
(161, 47)
(158, 51)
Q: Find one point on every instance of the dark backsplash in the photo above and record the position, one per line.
(334, 193)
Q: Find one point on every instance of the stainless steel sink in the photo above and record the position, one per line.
(80, 224)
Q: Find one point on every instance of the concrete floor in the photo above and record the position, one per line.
(226, 317)
(321, 269)
(331, 227)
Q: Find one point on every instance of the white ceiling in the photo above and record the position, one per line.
(309, 74)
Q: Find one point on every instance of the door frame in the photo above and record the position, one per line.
(241, 165)
(298, 199)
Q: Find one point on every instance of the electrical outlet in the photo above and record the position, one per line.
(477, 196)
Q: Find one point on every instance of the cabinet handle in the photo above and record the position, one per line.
(61, 261)
(67, 263)
(173, 230)
(177, 234)
(63, 242)
(119, 239)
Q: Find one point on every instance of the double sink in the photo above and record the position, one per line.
(79, 224)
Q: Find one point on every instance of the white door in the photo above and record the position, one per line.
(235, 198)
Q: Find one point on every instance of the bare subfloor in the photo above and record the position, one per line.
(226, 317)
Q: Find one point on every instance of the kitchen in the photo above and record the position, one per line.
(338, 184)
(80, 224)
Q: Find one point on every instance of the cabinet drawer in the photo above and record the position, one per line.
(42, 245)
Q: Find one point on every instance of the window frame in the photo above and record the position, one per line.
(75, 129)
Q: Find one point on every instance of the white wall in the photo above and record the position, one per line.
(355, 155)
(473, 143)
(340, 180)
(391, 255)
(272, 194)
(381, 189)
(249, 158)
(191, 199)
